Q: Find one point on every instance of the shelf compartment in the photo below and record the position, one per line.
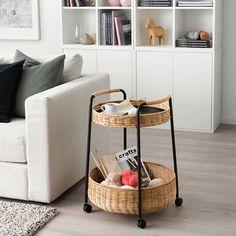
(193, 20)
(107, 32)
(83, 19)
(161, 17)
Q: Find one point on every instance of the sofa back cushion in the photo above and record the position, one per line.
(72, 66)
(9, 80)
(36, 78)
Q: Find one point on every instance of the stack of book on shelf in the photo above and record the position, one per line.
(115, 28)
(207, 3)
(155, 3)
(75, 3)
(191, 43)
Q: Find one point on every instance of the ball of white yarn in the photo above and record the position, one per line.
(156, 182)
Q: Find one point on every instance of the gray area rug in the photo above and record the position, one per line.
(23, 219)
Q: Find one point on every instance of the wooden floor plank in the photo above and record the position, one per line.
(207, 176)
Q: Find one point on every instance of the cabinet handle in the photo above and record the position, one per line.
(106, 91)
(153, 102)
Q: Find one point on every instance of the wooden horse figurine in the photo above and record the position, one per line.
(154, 32)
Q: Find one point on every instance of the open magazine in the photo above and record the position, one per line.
(128, 159)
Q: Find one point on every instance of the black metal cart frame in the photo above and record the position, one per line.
(141, 223)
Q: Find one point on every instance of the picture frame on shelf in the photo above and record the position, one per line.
(19, 20)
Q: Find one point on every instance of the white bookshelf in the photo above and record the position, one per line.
(140, 68)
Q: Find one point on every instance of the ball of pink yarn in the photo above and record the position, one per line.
(129, 177)
(114, 178)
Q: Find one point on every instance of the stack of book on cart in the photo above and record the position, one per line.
(155, 3)
(199, 3)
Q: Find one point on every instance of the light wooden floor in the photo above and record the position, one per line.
(207, 175)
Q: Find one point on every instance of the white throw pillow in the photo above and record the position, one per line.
(1, 60)
(72, 68)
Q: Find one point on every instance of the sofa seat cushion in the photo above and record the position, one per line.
(13, 141)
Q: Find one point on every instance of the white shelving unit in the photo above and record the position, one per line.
(191, 75)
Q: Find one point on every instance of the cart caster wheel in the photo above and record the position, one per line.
(141, 223)
(87, 208)
(178, 201)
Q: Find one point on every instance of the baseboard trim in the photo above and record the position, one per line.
(228, 121)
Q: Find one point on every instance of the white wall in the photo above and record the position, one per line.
(50, 25)
(229, 63)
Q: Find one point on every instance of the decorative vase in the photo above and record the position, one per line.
(114, 3)
(125, 3)
(77, 34)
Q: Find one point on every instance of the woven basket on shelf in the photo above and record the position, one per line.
(130, 121)
(125, 201)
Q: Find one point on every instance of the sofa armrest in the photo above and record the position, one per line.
(56, 136)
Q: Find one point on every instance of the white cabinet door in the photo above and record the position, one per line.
(192, 91)
(119, 66)
(89, 59)
(154, 74)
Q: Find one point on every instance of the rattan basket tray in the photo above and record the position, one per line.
(125, 201)
(130, 121)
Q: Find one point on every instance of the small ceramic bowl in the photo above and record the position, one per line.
(125, 3)
(192, 35)
(114, 3)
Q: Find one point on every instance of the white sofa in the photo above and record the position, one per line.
(44, 154)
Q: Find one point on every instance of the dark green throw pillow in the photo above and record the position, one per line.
(36, 79)
(9, 79)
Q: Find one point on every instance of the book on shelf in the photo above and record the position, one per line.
(123, 160)
(118, 19)
(125, 32)
(195, 3)
(102, 28)
(114, 35)
(191, 43)
(72, 3)
(106, 28)
(155, 3)
(66, 3)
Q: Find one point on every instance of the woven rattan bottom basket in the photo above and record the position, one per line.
(126, 201)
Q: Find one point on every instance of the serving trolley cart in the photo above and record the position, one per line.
(136, 201)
